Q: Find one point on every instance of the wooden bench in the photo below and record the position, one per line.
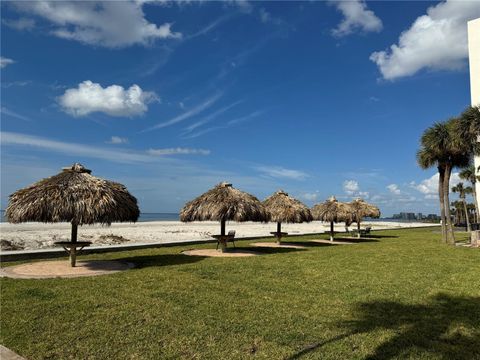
(230, 237)
(363, 232)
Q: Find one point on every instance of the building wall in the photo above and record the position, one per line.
(474, 62)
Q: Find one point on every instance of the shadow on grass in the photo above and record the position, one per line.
(447, 327)
(312, 243)
(356, 240)
(143, 261)
(265, 250)
(375, 236)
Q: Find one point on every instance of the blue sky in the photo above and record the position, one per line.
(170, 98)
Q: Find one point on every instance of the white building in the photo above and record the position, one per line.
(474, 60)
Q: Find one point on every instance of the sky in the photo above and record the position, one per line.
(172, 97)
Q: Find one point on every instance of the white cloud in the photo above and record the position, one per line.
(178, 151)
(429, 187)
(113, 100)
(117, 140)
(110, 24)
(5, 61)
(20, 24)
(356, 16)
(189, 113)
(280, 172)
(313, 196)
(350, 187)
(393, 188)
(435, 41)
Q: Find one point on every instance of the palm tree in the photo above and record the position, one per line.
(457, 211)
(462, 194)
(440, 147)
(435, 143)
(468, 174)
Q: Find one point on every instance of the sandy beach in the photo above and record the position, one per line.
(30, 236)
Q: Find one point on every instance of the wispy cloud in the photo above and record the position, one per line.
(281, 172)
(226, 125)
(13, 114)
(178, 151)
(189, 113)
(117, 140)
(16, 83)
(210, 26)
(20, 24)
(211, 117)
(84, 150)
(5, 61)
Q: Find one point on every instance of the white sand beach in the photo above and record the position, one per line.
(30, 236)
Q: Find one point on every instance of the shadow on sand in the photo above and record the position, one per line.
(446, 327)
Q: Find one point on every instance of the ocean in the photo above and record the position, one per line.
(175, 217)
(143, 217)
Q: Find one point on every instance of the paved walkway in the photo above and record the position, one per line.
(7, 354)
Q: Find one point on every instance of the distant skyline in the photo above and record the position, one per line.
(173, 97)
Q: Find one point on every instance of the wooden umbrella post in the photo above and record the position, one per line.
(331, 231)
(358, 229)
(73, 247)
(223, 239)
(279, 232)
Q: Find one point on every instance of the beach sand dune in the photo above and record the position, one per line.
(39, 236)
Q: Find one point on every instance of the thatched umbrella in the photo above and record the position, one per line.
(224, 203)
(361, 209)
(284, 208)
(73, 196)
(332, 211)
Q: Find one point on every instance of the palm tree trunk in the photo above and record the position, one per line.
(474, 194)
(446, 189)
(441, 180)
(469, 228)
(358, 228)
(331, 231)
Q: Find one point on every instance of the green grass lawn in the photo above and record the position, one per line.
(400, 295)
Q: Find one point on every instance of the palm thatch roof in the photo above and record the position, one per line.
(332, 211)
(361, 209)
(75, 196)
(284, 208)
(224, 203)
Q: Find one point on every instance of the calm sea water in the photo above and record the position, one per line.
(143, 217)
(175, 217)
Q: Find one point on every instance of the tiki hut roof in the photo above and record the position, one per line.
(332, 211)
(284, 208)
(360, 209)
(224, 202)
(74, 196)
